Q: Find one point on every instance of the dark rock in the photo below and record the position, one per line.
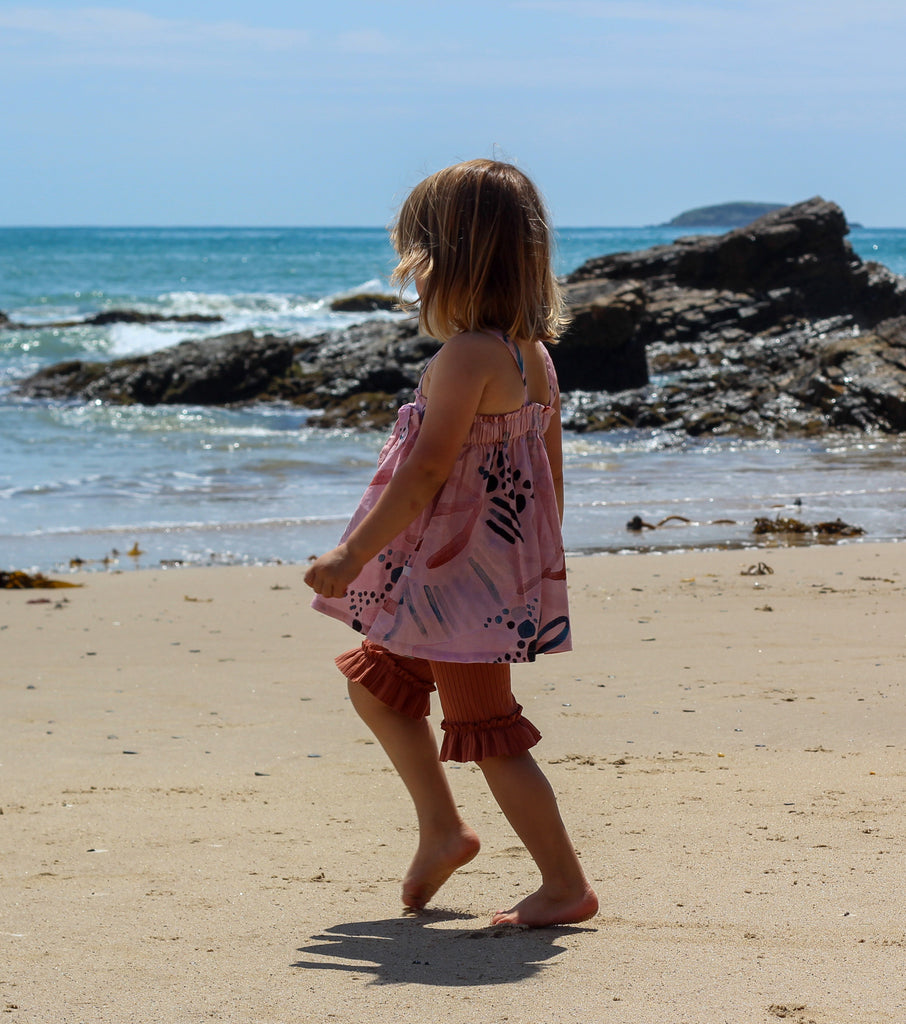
(604, 336)
(737, 327)
(796, 260)
(806, 381)
(364, 302)
(359, 376)
(132, 316)
(114, 316)
(231, 368)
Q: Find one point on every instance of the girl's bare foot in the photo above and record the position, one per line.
(542, 909)
(434, 862)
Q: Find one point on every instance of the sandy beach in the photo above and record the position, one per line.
(196, 826)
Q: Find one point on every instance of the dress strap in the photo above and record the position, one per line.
(424, 373)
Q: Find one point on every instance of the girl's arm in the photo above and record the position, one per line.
(459, 374)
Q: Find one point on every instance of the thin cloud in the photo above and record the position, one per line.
(773, 14)
(99, 28)
(658, 13)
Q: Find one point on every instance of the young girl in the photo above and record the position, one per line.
(452, 566)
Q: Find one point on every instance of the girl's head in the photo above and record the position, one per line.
(474, 239)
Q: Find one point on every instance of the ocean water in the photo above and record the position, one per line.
(199, 485)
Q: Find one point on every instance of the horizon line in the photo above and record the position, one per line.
(372, 227)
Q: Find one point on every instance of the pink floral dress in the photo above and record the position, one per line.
(480, 574)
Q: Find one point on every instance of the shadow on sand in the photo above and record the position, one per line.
(407, 950)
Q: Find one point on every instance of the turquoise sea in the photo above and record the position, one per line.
(200, 485)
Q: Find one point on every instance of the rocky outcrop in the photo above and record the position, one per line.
(603, 347)
(360, 376)
(232, 368)
(355, 377)
(809, 380)
(794, 262)
(775, 329)
(114, 316)
(364, 302)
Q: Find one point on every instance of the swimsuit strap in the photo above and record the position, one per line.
(517, 355)
(548, 362)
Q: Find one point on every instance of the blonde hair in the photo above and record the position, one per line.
(475, 240)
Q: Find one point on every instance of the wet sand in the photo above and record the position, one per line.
(196, 826)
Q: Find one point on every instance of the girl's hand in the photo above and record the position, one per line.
(332, 573)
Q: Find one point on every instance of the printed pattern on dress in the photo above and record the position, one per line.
(480, 574)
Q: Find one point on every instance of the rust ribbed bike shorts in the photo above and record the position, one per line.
(481, 716)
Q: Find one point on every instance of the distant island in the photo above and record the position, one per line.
(724, 215)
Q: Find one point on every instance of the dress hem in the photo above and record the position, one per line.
(432, 653)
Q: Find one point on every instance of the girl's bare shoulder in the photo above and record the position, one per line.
(475, 364)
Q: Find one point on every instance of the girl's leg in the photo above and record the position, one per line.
(483, 722)
(526, 798)
(445, 841)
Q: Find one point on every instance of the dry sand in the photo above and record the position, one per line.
(195, 826)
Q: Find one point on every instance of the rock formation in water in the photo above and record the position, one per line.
(774, 329)
(113, 316)
(216, 371)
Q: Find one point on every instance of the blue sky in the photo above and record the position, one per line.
(626, 112)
